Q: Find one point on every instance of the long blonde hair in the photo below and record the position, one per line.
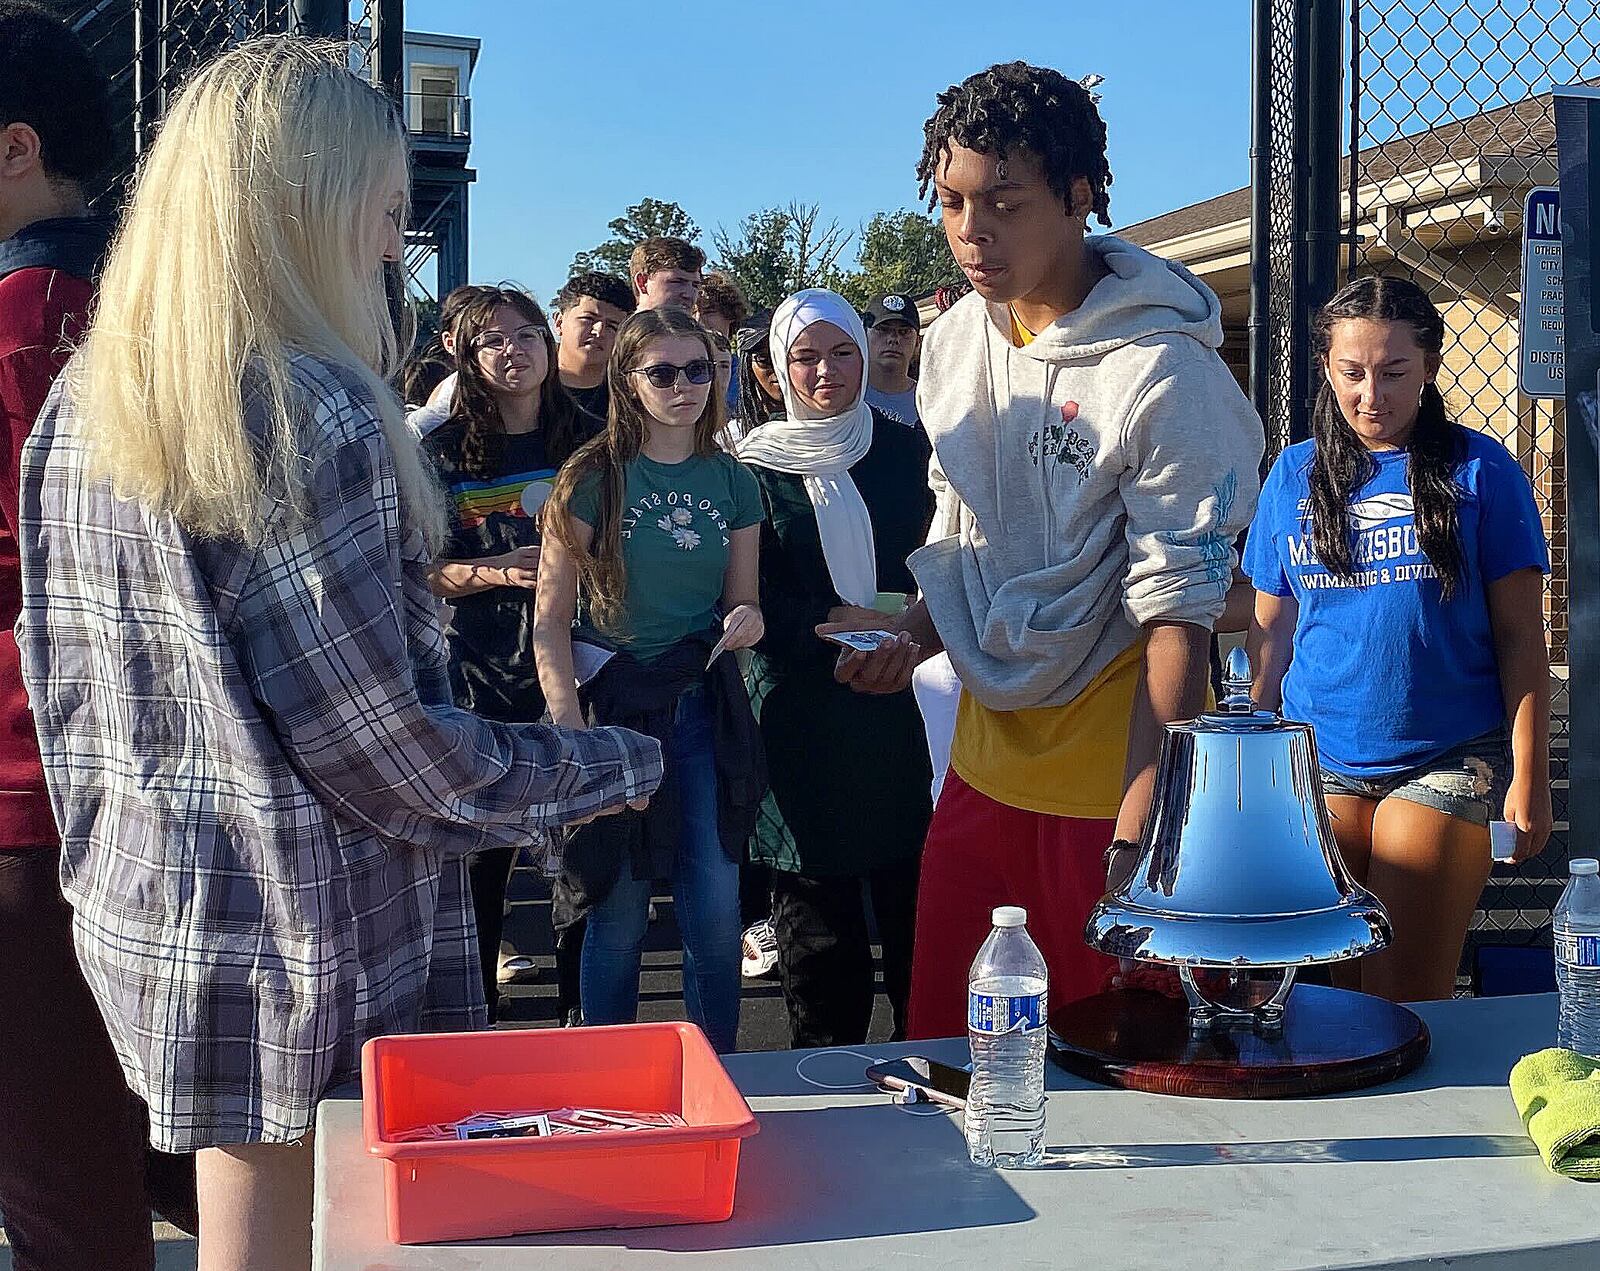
(244, 243)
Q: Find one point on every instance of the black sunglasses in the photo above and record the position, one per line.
(665, 375)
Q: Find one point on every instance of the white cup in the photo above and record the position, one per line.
(1502, 840)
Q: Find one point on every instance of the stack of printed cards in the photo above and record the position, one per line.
(552, 1123)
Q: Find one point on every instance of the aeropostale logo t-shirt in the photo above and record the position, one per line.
(1390, 673)
(676, 525)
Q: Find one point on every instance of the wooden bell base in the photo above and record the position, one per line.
(1332, 1040)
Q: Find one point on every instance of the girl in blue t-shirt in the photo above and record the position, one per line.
(1398, 562)
(652, 535)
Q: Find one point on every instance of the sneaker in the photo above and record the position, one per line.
(760, 946)
(516, 968)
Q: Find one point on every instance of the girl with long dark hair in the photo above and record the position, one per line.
(1398, 561)
(651, 542)
(428, 381)
(510, 428)
(759, 396)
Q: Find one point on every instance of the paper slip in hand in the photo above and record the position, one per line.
(863, 641)
(719, 649)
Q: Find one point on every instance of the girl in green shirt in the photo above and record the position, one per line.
(651, 539)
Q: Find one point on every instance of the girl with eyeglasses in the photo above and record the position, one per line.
(509, 430)
(651, 539)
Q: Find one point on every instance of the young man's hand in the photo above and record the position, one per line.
(887, 669)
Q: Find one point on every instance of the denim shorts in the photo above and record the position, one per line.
(1469, 781)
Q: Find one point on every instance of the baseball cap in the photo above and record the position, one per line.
(752, 332)
(894, 307)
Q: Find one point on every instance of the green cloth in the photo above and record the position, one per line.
(676, 520)
(1557, 1093)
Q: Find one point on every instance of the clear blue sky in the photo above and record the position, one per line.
(584, 106)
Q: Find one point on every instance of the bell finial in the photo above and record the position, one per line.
(1237, 682)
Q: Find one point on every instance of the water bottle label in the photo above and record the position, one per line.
(1577, 950)
(997, 1015)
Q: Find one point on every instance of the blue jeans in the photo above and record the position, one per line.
(705, 896)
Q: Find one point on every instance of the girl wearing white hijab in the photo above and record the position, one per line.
(846, 498)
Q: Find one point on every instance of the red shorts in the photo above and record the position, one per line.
(982, 854)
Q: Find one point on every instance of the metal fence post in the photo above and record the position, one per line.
(389, 41)
(330, 18)
(1260, 206)
(1320, 133)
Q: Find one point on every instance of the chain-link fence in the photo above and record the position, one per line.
(146, 48)
(1275, 383)
(1450, 124)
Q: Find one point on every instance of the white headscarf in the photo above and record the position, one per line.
(823, 448)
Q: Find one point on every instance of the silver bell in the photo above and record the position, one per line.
(1238, 867)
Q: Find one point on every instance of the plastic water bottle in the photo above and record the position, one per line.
(1007, 998)
(1577, 933)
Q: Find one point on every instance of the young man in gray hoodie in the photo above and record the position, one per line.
(1094, 461)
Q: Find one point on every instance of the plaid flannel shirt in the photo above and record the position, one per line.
(264, 792)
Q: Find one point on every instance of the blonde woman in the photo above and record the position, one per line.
(239, 678)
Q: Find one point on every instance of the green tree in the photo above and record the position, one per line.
(780, 250)
(645, 219)
(900, 251)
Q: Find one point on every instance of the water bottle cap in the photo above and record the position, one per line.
(1581, 865)
(1011, 916)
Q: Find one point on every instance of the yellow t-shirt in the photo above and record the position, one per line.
(1059, 760)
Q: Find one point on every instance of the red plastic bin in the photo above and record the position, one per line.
(503, 1187)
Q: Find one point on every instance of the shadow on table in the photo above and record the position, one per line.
(836, 1174)
(1290, 1152)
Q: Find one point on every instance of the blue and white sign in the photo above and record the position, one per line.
(1542, 355)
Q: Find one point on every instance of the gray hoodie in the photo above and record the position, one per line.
(1087, 484)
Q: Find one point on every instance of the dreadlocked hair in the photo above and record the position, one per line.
(602, 576)
(754, 406)
(1015, 106)
(483, 435)
(1341, 465)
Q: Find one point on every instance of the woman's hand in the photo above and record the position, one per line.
(517, 568)
(855, 618)
(743, 627)
(569, 717)
(633, 805)
(1528, 808)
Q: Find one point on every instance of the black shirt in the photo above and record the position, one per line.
(592, 404)
(492, 668)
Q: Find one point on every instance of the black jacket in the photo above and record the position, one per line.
(643, 696)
